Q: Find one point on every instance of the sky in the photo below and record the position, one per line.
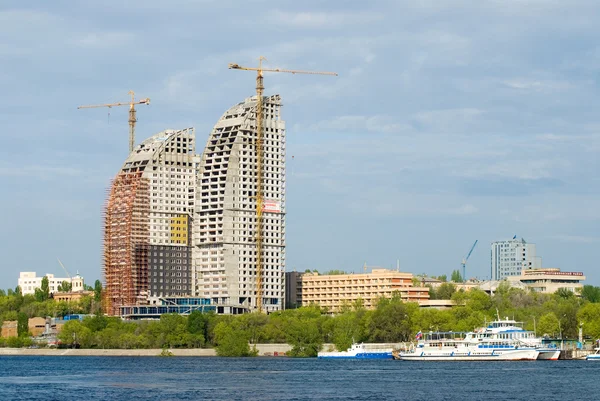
(449, 122)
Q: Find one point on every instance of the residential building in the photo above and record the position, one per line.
(509, 258)
(29, 281)
(224, 229)
(147, 222)
(334, 291)
(550, 280)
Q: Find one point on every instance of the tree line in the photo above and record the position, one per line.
(306, 329)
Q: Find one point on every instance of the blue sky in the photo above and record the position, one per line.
(450, 121)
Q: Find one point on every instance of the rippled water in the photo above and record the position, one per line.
(181, 378)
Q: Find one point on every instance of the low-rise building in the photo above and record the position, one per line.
(29, 281)
(334, 291)
(550, 280)
(71, 295)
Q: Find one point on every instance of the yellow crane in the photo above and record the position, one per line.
(259, 159)
(132, 118)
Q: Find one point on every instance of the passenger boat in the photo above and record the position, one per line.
(471, 346)
(358, 351)
(595, 356)
(512, 332)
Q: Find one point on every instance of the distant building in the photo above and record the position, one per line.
(293, 290)
(70, 296)
(29, 281)
(333, 291)
(509, 258)
(550, 280)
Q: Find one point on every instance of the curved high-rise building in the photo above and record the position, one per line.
(147, 225)
(223, 234)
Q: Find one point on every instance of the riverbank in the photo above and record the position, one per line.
(263, 350)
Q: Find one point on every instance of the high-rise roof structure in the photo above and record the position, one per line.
(147, 249)
(224, 229)
(509, 258)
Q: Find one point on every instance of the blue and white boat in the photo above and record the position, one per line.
(358, 351)
(513, 333)
(471, 346)
(595, 356)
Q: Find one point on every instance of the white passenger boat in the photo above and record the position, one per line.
(471, 346)
(512, 332)
(594, 357)
(358, 351)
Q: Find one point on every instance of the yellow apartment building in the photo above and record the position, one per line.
(332, 291)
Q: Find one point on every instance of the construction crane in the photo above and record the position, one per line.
(259, 159)
(66, 271)
(132, 117)
(464, 261)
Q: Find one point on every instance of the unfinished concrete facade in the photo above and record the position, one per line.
(147, 227)
(224, 236)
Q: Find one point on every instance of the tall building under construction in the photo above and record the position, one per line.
(147, 222)
(224, 224)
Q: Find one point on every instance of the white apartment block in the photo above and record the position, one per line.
(29, 281)
(510, 258)
(223, 233)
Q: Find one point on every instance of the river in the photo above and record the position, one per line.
(211, 378)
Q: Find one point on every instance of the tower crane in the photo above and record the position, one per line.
(464, 261)
(66, 271)
(259, 159)
(132, 117)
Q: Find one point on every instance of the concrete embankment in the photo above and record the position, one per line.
(263, 350)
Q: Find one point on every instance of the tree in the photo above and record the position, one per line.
(231, 341)
(22, 324)
(97, 291)
(65, 286)
(549, 325)
(564, 293)
(445, 291)
(591, 293)
(75, 334)
(456, 276)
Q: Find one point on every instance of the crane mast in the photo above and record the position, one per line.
(464, 261)
(132, 114)
(259, 162)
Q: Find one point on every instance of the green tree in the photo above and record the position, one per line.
(231, 341)
(22, 325)
(548, 325)
(445, 291)
(391, 321)
(590, 293)
(74, 333)
(564, 293)
(456, 276)
(97, 291)
(65, 286)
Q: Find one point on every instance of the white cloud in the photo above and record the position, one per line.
(323, 20)
(104, 40)
(39, 171)
(577, 239)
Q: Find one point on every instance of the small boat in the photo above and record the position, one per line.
(595, 356)
(358, 351)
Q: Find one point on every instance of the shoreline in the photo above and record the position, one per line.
(263, 350)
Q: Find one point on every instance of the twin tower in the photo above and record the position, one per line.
(179, 224)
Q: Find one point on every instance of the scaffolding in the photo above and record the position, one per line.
(126, 242)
